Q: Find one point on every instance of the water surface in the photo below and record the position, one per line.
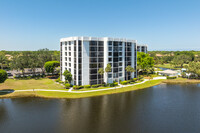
(160, 109)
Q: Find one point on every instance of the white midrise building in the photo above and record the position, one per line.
(83, 56)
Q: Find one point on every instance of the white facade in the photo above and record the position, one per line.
(83, 56)
(142, 48)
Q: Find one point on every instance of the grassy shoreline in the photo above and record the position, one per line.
(181, 81)
(45, 94)
(50, 94)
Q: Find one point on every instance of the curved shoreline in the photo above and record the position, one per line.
(59, 94)
(72, 95)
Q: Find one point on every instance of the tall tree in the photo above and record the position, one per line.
(108, 69)
(3, 60)
(144, 62)
(50, 66)
(68, 76)
(3, 75)
(44, 55)
(129, 70)
(101, 72)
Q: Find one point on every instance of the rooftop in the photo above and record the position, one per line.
(97, 39)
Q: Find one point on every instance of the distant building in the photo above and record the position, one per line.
(142, 48)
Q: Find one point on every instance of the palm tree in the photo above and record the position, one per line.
(101, 72)
(108, 69)
(130, 70)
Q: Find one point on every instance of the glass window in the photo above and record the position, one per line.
(120, 58)
(65, 53)
(120, 64)
(109, 59)
(110, 54)
(110, 48)
(120, 53)
(110, 43)
(65, 48)
(65, 58)
(109, 75)
(69, 53)
(65, 64)
(70, 69)
(69, 59)
(70, 65)
(120, 74)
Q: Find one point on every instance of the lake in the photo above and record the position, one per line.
(165, 108)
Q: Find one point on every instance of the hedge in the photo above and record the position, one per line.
(67, 85)
(87, 86)
(174, 77)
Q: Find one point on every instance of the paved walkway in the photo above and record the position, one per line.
(70, 90)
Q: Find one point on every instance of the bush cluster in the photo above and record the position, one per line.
(174, 77)
(67, 85)
(3, 75)
(58, 79)
(87, 86)
(124, 82)
(76, 87)
(29, 77)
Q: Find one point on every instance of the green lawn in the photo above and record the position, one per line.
(166, 66)
(50, 84)
(30, 84)
(97, 93)
(181, 80)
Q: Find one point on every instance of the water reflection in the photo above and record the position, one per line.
(166, 108)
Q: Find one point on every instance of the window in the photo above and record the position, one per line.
(120, 64)
(109, 75)
(69, 59)
(70, 66)
(69, 53)
(109, 59)
(110, 54)
(65, 53)
(120, 74)
(65, 48)
(70, 69)
(120, 53)
(120, 48)
(120, 58)
(65, 43)
(100, 59)
(110, 43)
(110, 48)
(65, 58)
(69, 48)
(120, 69)
(65, 64)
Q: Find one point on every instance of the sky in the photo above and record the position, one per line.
(161, 24)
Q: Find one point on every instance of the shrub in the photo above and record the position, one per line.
(174, 77)
(124, 82)
(115, 84)
(134, 79)
(128, 81)
(58, 79)
(61, 82)
(77, 87)
(87, 86)
(132, 82)
(3, 75)
(67, 85)
(94, 86)
(112, 84)
(28, 77)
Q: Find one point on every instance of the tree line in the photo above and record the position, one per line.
(19, 60)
